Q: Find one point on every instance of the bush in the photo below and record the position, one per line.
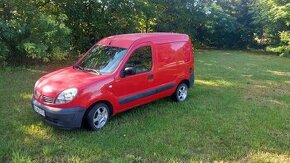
(49, 38)
(284, 48)
(44, 37)
(3, 53)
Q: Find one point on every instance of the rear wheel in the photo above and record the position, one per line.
(98, 116)
(181, 92)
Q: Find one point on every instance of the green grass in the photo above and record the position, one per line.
(238, 110)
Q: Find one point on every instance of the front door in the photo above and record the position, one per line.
(134, 89)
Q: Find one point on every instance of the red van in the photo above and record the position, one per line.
(116, 74)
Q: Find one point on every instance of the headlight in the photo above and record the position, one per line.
(37, 82)
(36, 94)
(66, 96)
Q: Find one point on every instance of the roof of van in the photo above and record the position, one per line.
(126, 40)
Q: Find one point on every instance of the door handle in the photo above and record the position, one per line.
(150, 76)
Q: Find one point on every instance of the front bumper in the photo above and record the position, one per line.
(67, 118)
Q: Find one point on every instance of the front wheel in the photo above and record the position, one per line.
(181, 92)
(98, 116)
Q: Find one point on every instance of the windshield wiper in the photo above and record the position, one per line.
(78, 67)
(87, 69)
(92, 70)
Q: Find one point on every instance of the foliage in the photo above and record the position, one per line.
(28, 31)
(274, 18)
(284, 48)
(50, 29)
(3, 53)
(48, 36)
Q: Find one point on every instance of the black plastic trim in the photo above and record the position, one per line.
(146, 93)
(66, 118)
(191, 80)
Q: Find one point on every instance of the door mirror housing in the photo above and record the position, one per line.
(129, 71)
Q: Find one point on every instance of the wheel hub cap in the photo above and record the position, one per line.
(100, 117)
(182, 93)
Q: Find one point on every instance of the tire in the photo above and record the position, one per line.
(181, 92)
(98, 116)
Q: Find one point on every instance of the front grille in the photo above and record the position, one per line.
(48, 99)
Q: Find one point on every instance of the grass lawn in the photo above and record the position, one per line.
(239, 110)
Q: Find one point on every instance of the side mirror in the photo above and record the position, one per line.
(129, 71)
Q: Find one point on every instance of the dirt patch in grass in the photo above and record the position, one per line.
(267, 91)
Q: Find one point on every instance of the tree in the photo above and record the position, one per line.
(50, 29)
(273, 17)
(32, 30)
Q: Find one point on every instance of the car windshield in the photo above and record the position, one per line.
(102, 59)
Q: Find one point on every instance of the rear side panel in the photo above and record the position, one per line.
(167, 62)
(174, 62)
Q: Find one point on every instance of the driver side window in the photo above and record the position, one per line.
(141, 59)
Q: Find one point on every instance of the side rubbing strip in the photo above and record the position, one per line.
(146, 93)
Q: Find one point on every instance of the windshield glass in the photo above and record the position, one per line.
(102, 59)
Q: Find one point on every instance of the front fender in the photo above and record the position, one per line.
(92, 97)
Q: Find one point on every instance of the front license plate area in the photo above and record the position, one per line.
(39, 111)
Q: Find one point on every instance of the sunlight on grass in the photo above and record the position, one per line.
(260, 86)
(279, 73)
(278, 103)
(133, 158)
(215, 83)
(26, 96)
(266, 157)
(74, 159)
(36, 131)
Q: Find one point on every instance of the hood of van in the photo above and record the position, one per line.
(55, 82)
